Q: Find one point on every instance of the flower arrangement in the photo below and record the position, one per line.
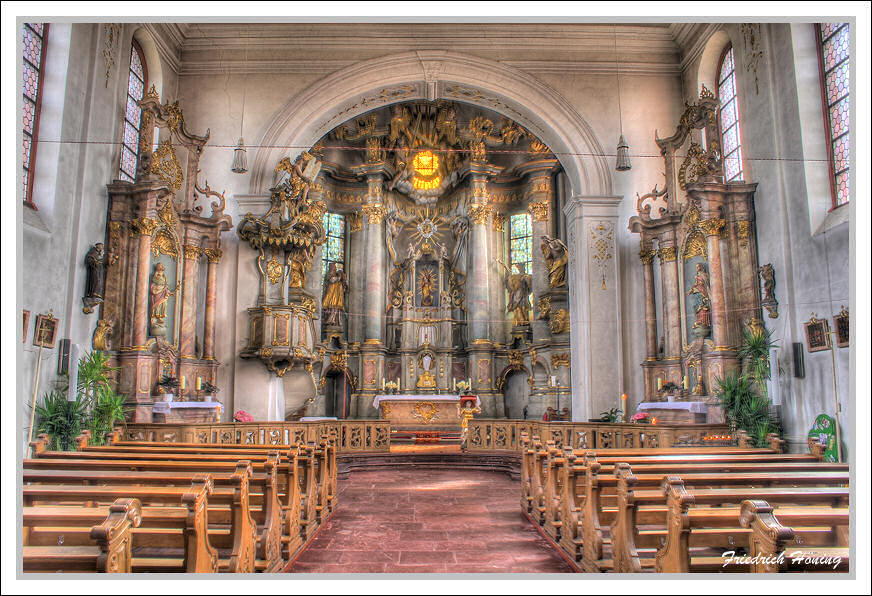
(640, 418)
(209, 389)
(462, 387)
(391, 386)
(242, 416)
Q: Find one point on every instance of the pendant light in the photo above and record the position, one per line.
(622, 157)
(240, 155)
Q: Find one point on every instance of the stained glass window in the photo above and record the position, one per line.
(33, 52)
(834, 43)
(521, 241)
(133, 113)
(731, 139)
(333, 250)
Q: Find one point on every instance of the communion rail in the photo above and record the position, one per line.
(505, 435)
(350, 436)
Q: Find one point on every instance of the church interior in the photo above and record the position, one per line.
(448, 298)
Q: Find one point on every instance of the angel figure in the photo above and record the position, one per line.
(519, 286)
(334, 296)
(556, 256)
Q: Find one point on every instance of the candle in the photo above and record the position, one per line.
(383, 383)
(453, 384)
(659, 383)
(553, 381)
(199, 383)
(183, 382)
(686, 384)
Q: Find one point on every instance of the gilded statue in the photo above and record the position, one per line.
(467, 411)
(700, 287)
(334, 296)
(160, 292)
(400, 121)
(519, 286)
(427, 285)
(556, 256)
(295, 175)
(101, 335)
(299, 261)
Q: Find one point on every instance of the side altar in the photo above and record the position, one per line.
(414, 410)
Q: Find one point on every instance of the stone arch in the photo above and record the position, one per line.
(152, 59)
(707, 73)
(431, 75)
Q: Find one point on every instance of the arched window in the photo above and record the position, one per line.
(136, 83)
(833, 51)
(33, 50)
(521, 242)
(731, 139)
(334, 249)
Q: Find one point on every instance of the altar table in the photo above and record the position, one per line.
(675, 412)
(187, 412)
(411, 409)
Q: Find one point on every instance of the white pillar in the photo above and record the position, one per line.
(594, 305)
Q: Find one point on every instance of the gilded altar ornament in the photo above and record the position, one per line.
(143, 226)
(426, 411)
(427, 285)
(646, 256)
(213, 254)
(163, 243)
(333, 304)
(558, 360)
(193, 251)
(666, 253)
(559, 322)
(519, 286)
(374, 212)
(100, 340)
(544, 305)
(478, 213)
(556, 256)
(743, 232)
(695, 246)
(165, 164)
(538, 210)
(516, 359)
(498, 222)
(339, 359)
(713, 226)
(355, 222)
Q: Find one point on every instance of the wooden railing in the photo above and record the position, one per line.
(489, 435)
(350, 436)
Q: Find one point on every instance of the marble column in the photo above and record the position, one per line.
(374, 297)
(356, 273)
(539, 193)
(214, 256)
(646, 255)
(143, 227)
(712, 229)
(477, 281)
(189, 302)
(671, 301)
(595, 305)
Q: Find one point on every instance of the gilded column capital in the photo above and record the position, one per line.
(712, 227)
(213, 254)
(538, 210)
(355, 221)
(647, 255)
(499, 221)
(478, 213)
(374, 212)
(667, 254)
(192, 251)
(558, 360)
(143, 226)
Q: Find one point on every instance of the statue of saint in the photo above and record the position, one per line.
(767, 275)
(460, 229)
(299, 262)
(160, 293)
(96, 261)
(334, 296)
(394, 225)
(700, 287)
(556, 256)
(519, 287)
(427, 284)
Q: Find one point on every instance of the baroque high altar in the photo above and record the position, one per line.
(413, 247)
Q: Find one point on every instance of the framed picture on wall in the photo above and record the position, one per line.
(842, 323)
(46, 331)
(817, 334)
(25, 323)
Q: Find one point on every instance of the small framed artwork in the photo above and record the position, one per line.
(46, 331)
(842, 323)
(25, 323)
(817, 334)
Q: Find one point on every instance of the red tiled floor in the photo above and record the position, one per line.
(429, 521)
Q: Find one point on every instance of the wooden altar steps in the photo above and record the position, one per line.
(690, 509)
(166, 507)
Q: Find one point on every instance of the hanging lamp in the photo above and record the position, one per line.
(622, 156)
(240, 155)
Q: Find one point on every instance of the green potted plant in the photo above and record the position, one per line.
(612, 415)
(62, 419)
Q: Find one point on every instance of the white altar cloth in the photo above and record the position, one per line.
(696, 407)
(317, 418)
(164, 407)
(420, 396)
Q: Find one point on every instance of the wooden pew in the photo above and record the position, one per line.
(717, 513)
(80, 541)
(771, 536)
(166, 513)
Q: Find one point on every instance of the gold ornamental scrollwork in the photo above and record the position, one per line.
(193, 251)
(478, 213)
(498, 222)
(213, 254)
(274, 270)
(646, 256)
(166, 165)
(355, 222)
(538, 210)
(713, 226)
(374, 212)
(425, 411)
(560, 321)
(385, 409)
(162, 243)
(743, 232)
(544, 305)
(667, 254)
(339, 359)
(516, 358)
(695, 246)
(558, 360)
(143, 226)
